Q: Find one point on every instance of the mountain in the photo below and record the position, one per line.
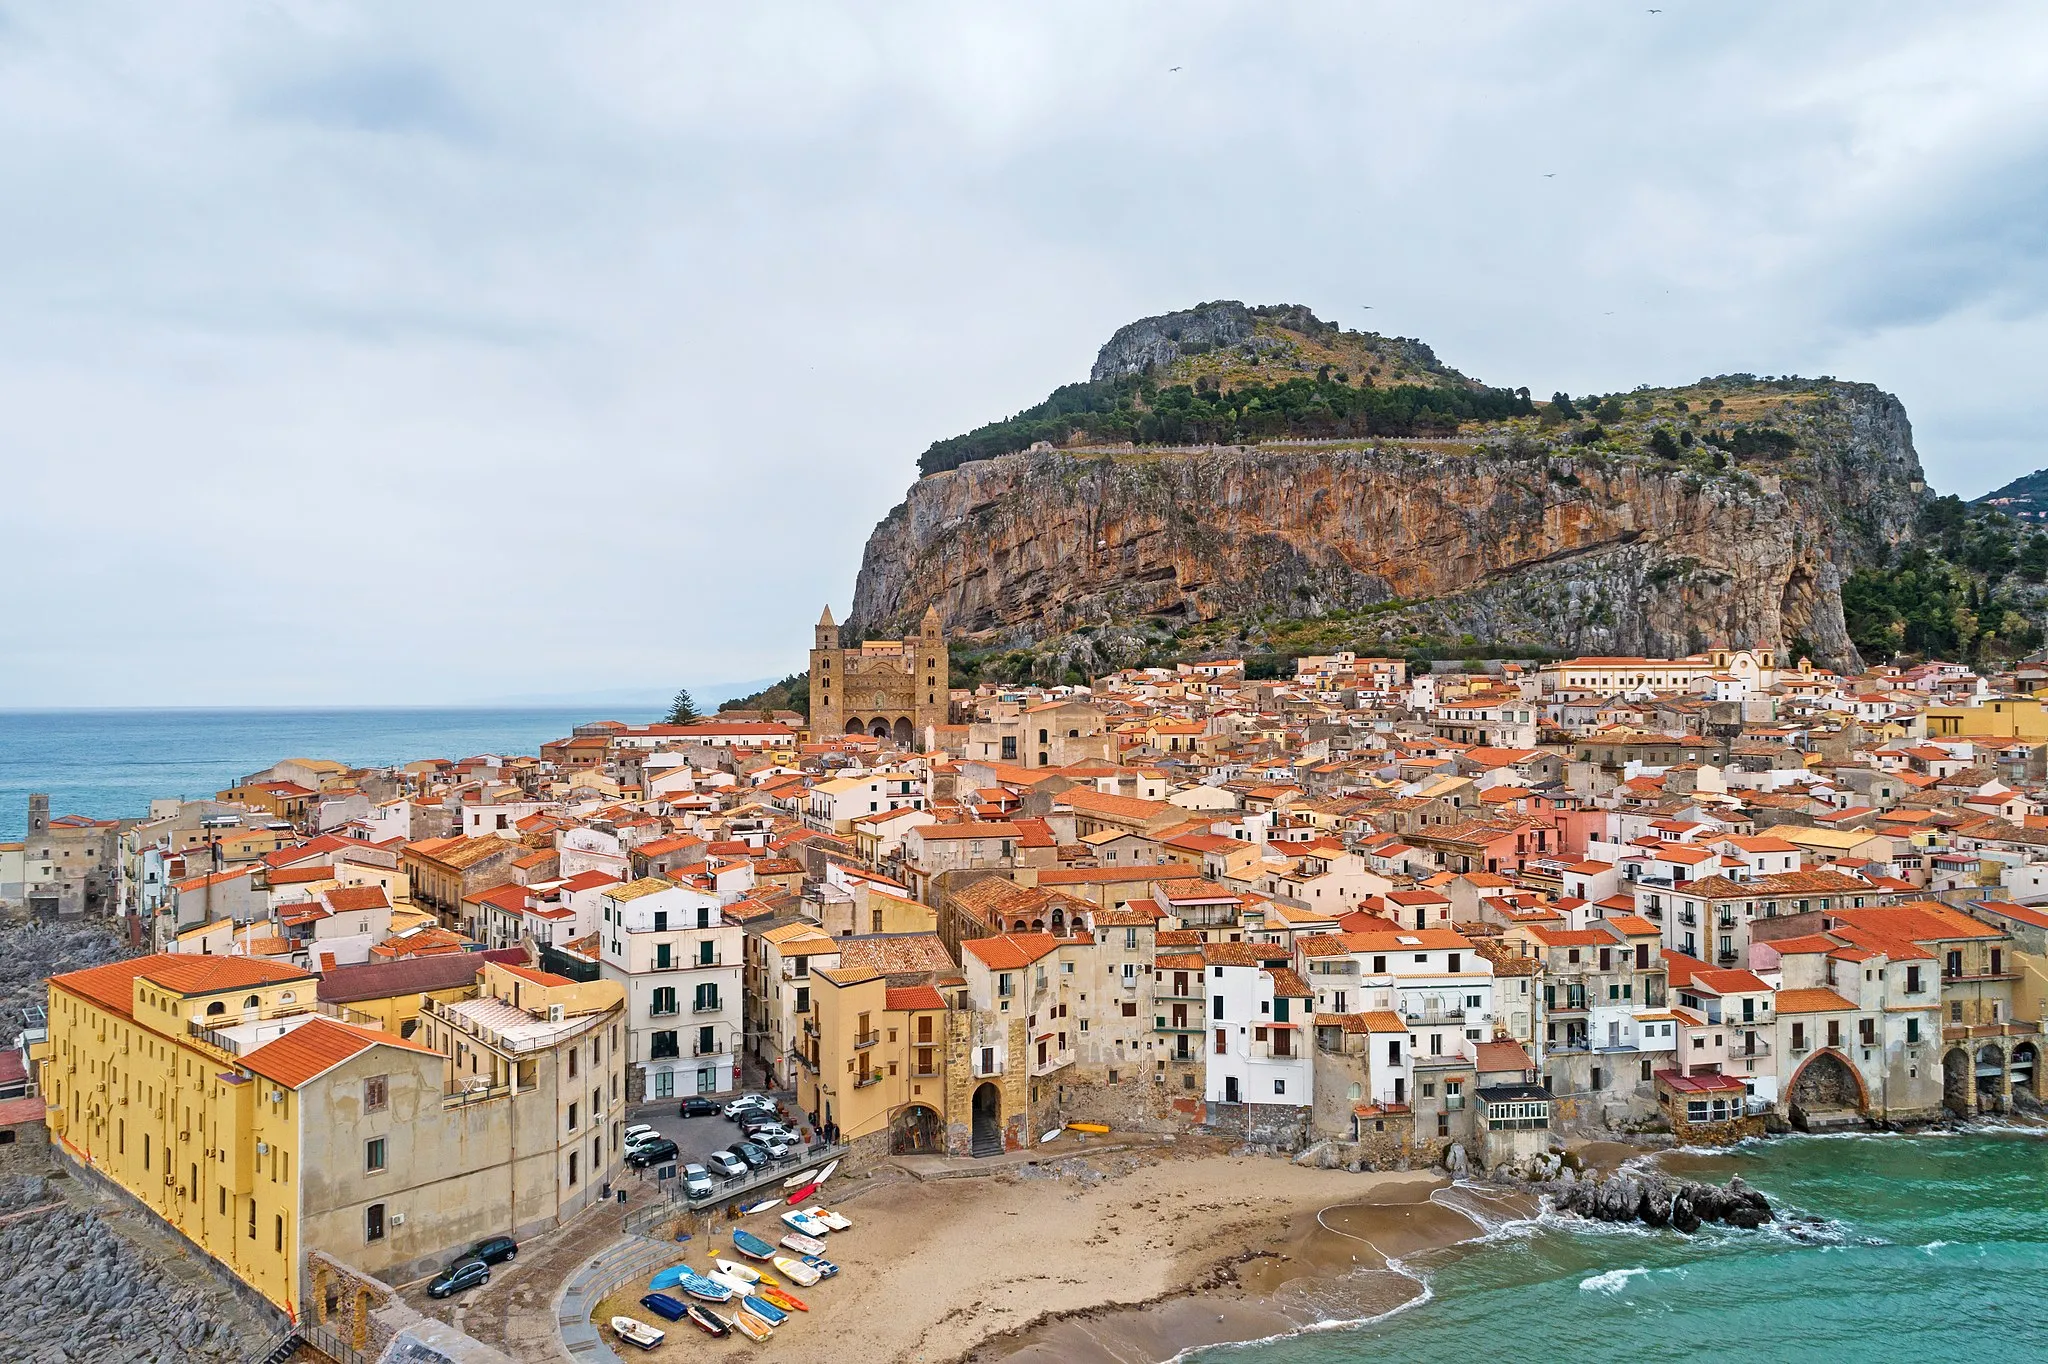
(1251, 479)
(2025, 498)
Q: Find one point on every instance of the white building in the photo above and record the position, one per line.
(681, 964)
(1260, 1015)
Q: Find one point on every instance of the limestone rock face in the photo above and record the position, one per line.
(1510, 542)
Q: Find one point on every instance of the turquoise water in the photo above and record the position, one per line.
(1927, 1248)
(111, 763)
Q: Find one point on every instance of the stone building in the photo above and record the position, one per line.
(892, 689)
(69, 862)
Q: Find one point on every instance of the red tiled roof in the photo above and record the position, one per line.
(908, 997)
(314, 1048)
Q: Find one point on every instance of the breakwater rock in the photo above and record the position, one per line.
(1660, 1201)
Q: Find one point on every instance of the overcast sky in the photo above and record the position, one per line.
(370, 354)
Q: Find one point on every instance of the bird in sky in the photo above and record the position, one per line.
(1550, 175)
(1656, 11)
(1173, 68)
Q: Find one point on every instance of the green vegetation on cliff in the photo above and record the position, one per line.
(1969, 588)
(791, 693)
(1135, 408)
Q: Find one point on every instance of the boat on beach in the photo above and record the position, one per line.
(706, 1290)
(636, 1332)
(783, 1298)
(750, 1245)
(739, 1288)
(801, 1220)
(824, 1266)
(762, 1206)
(708, 1321)
(801, 1194)
(836, 1221)
(797, 1272)
(765, 1310)
(744, 1273)
(751, 1326)
(804, 1245)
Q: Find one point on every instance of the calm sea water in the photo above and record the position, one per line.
(111, 763)
(1927, 1248)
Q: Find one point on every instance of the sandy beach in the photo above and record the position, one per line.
(1117, 1256)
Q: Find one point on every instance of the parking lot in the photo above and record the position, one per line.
(697, 1138)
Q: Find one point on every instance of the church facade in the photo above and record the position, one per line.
(890, 688)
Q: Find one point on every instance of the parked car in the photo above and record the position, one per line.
(463, 1274)
(756, 1157)
(665, 1307)
(657, 1152)
(747, 1103)
(638, 1133)
(697, 1106)
(726, 1163)
(775, 1132)
(751, 1123)
(492, 1250)
(696, 1181)
(781, 1147)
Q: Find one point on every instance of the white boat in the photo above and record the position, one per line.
(741, 1288)
(797, 1272)
(735, 1270)
(804, 1245)
(826, 1173)
(800, 1177)
(801, 1220)
(635, 1332)
(834, 1220)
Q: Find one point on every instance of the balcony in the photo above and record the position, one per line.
(1052, 1062)
(708, 1006)
(873, 1077)
(1725, 921)
(1728, 958)
(801, 1059)
(1427, 1017)
(1688, 918)
(1169, 994)
(863, 1040)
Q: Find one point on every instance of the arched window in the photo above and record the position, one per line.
(216, 1008)
(252, 1002)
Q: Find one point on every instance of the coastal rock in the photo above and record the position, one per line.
(1455, 1161)
(1659, 1200)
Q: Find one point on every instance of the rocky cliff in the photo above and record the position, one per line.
(1552, 533)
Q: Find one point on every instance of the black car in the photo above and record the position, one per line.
(458, 1276)
(756, 1157)
(665, 1307)
(660, 1151)
(697, 1106)
(492, 1250)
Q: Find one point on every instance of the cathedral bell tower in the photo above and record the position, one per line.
(827, 666)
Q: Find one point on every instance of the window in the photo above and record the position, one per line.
(373, 1222)
(1222, 1042)
(572, 1167)
(663, 956)
(280, 1233)
(1279, 1086)
(373, 1155)
(665, 1000)
(375, 1093)
(1216, 1007)
(707, 954)
(1912, 1030)
(573, 1053)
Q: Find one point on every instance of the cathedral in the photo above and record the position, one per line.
(891, 688)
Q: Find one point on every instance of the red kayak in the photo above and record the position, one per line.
(801, 1194)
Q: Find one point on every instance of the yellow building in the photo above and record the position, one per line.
(874, 1060)
(2000, 717)
(209, 1089)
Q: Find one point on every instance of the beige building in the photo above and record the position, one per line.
(893, 689)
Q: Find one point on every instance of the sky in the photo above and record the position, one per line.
(418, 354)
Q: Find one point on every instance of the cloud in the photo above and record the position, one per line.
(434, 353)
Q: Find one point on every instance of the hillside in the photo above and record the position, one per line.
(2024, 499)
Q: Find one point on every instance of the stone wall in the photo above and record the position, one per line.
(25, 1149)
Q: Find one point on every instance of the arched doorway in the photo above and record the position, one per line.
(2024, 1064)
(854, 726)
(878, 728)
(1990, 1075)
(988, 1120)
(1957, 1091)
(1826, 1086)
(903, 732)
(916, 1131)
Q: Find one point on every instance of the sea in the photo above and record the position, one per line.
(112, 763)
(1889, 1247)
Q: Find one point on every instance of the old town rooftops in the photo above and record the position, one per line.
(317, 1046)
(112, 986)
(1813, 1002)
(1012, 951)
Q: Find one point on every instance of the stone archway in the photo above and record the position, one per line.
(878, 728)
(856, 726)
(2025, 1069)
(916, 1131)
(903, 732)
(1826, 1085)
(988, 1119)
(1990, 1073)
(1957, 1090)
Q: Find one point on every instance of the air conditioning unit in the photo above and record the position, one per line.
(554, 1013)
(262, 1148)
(277, 1096)
(398, 1219)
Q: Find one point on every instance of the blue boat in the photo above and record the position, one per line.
(826, 1269)
(765, 1310)
(669, 1278)
(697, 1286)
(666, 1307)
(750, 1245)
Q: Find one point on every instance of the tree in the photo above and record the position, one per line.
(1663, 444)
(683, 709)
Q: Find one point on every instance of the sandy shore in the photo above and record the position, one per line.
(1121, 1256)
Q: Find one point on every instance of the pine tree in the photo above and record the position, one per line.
(683, 709)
